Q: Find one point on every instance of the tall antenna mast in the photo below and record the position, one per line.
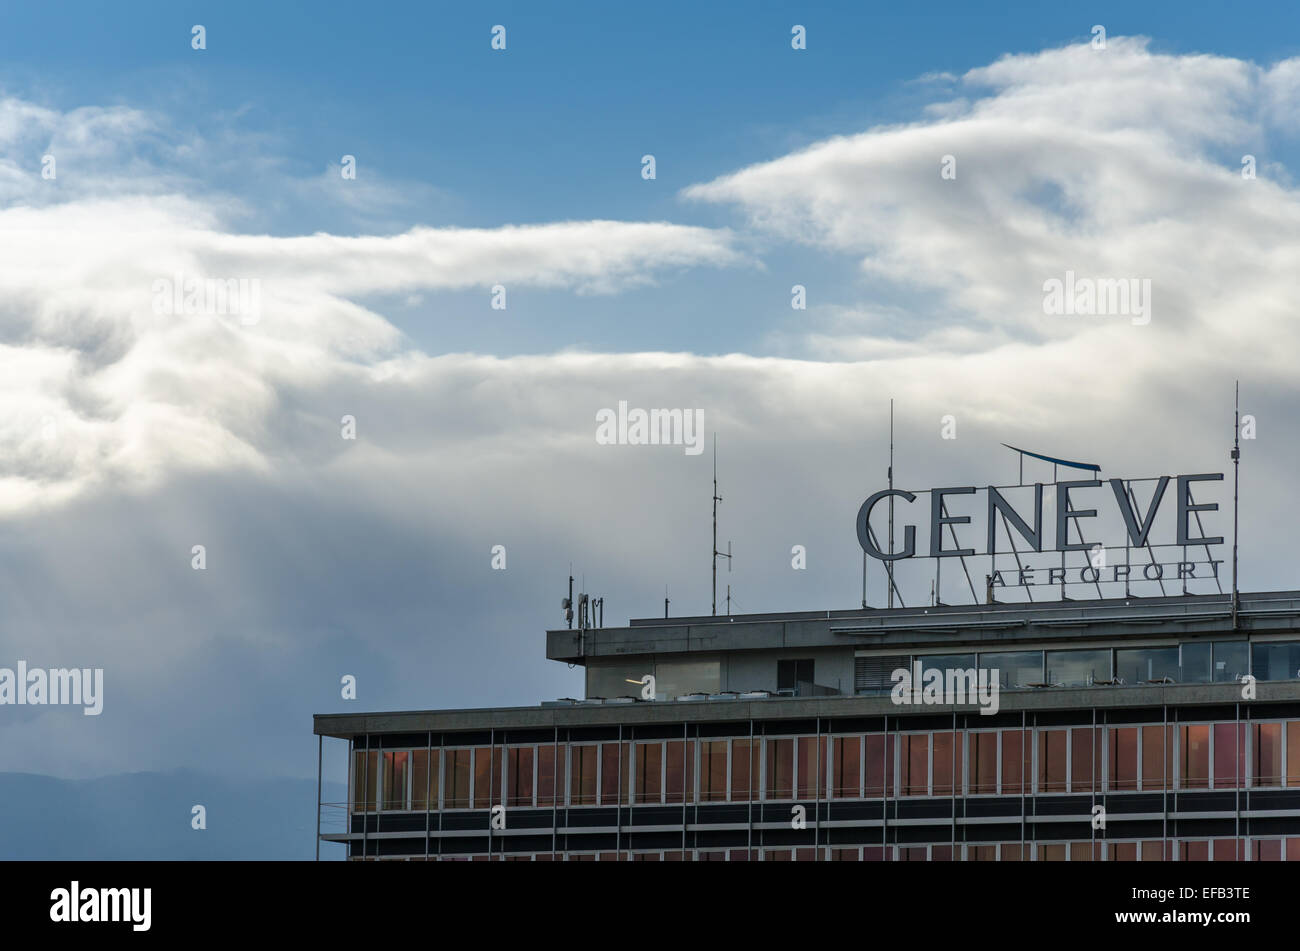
(1236, 471)
(727, 555)
(889, 565)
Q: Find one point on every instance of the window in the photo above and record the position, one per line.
(1229, 755)
(550, 763)
(1077, 668)
(1085, 759)
(915, 763)
(1266, 769)
(458, 778)
(1014, 668)
(846, 767)
(649, 770)
(1231, 661)
(1051, 761)
(519, 776)
(744, 764)
(810, 766)
(1194, 757)
(713, 770)
(679, 771)
(791, 673)
(613, 772)
(879, 765)
(483, 784)
(983, 763)
(1157, 757)
(1124, 758)
(947, 763)
(424, 779)
(679, 678)
(1017, 753)
(1273, 661)
(365, 781)
(1293, 753)
(582, 775)
(396, 769)
(1148, 665)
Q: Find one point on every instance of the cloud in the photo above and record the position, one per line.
(128, 436)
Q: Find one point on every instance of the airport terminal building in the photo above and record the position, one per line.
(1123, 729)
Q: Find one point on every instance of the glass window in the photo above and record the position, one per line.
(1275, 661)
(1231, 661)
(483, 777)
(396, 767)
(1051, 853)
(1014, 668)
(424, 779)
(365, 781)
(679, 758)
(780, 769)
(1229, 755)
(1157, 755)
(679, 678)
(1194, 756)
(582, 775)
(713, 770)
(1267, 850)
(1014, 852)
(947, 763)
(944, 663)
(607, 680)
(611, 772)
(981, 853)
(1147, 664)
(846, 767)
(810, 767)
(879, 765)
(1017, 753)
(983, 762)
(1082, 852)
(744, 756)
(1123, 851)
(1197, 663)
(1266, 768)
(1085, 759)
(915, 764)
(1124, 758)
(519, 776)
(1051, 761)
(1077, 668)
(550, 762)
(649, 769)
(1293, 753)
(458, 778)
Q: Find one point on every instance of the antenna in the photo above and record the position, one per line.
(665, 600)
(727, 555)
(1236, 472)
(889, 565)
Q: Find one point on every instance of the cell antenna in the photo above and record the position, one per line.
(1236, 472)
(727, 554)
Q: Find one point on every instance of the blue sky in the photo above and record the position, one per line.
(553, 128)
(130, 434)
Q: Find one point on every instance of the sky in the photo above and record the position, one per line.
(921, 175)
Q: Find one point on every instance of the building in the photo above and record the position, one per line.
(1125, 729)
